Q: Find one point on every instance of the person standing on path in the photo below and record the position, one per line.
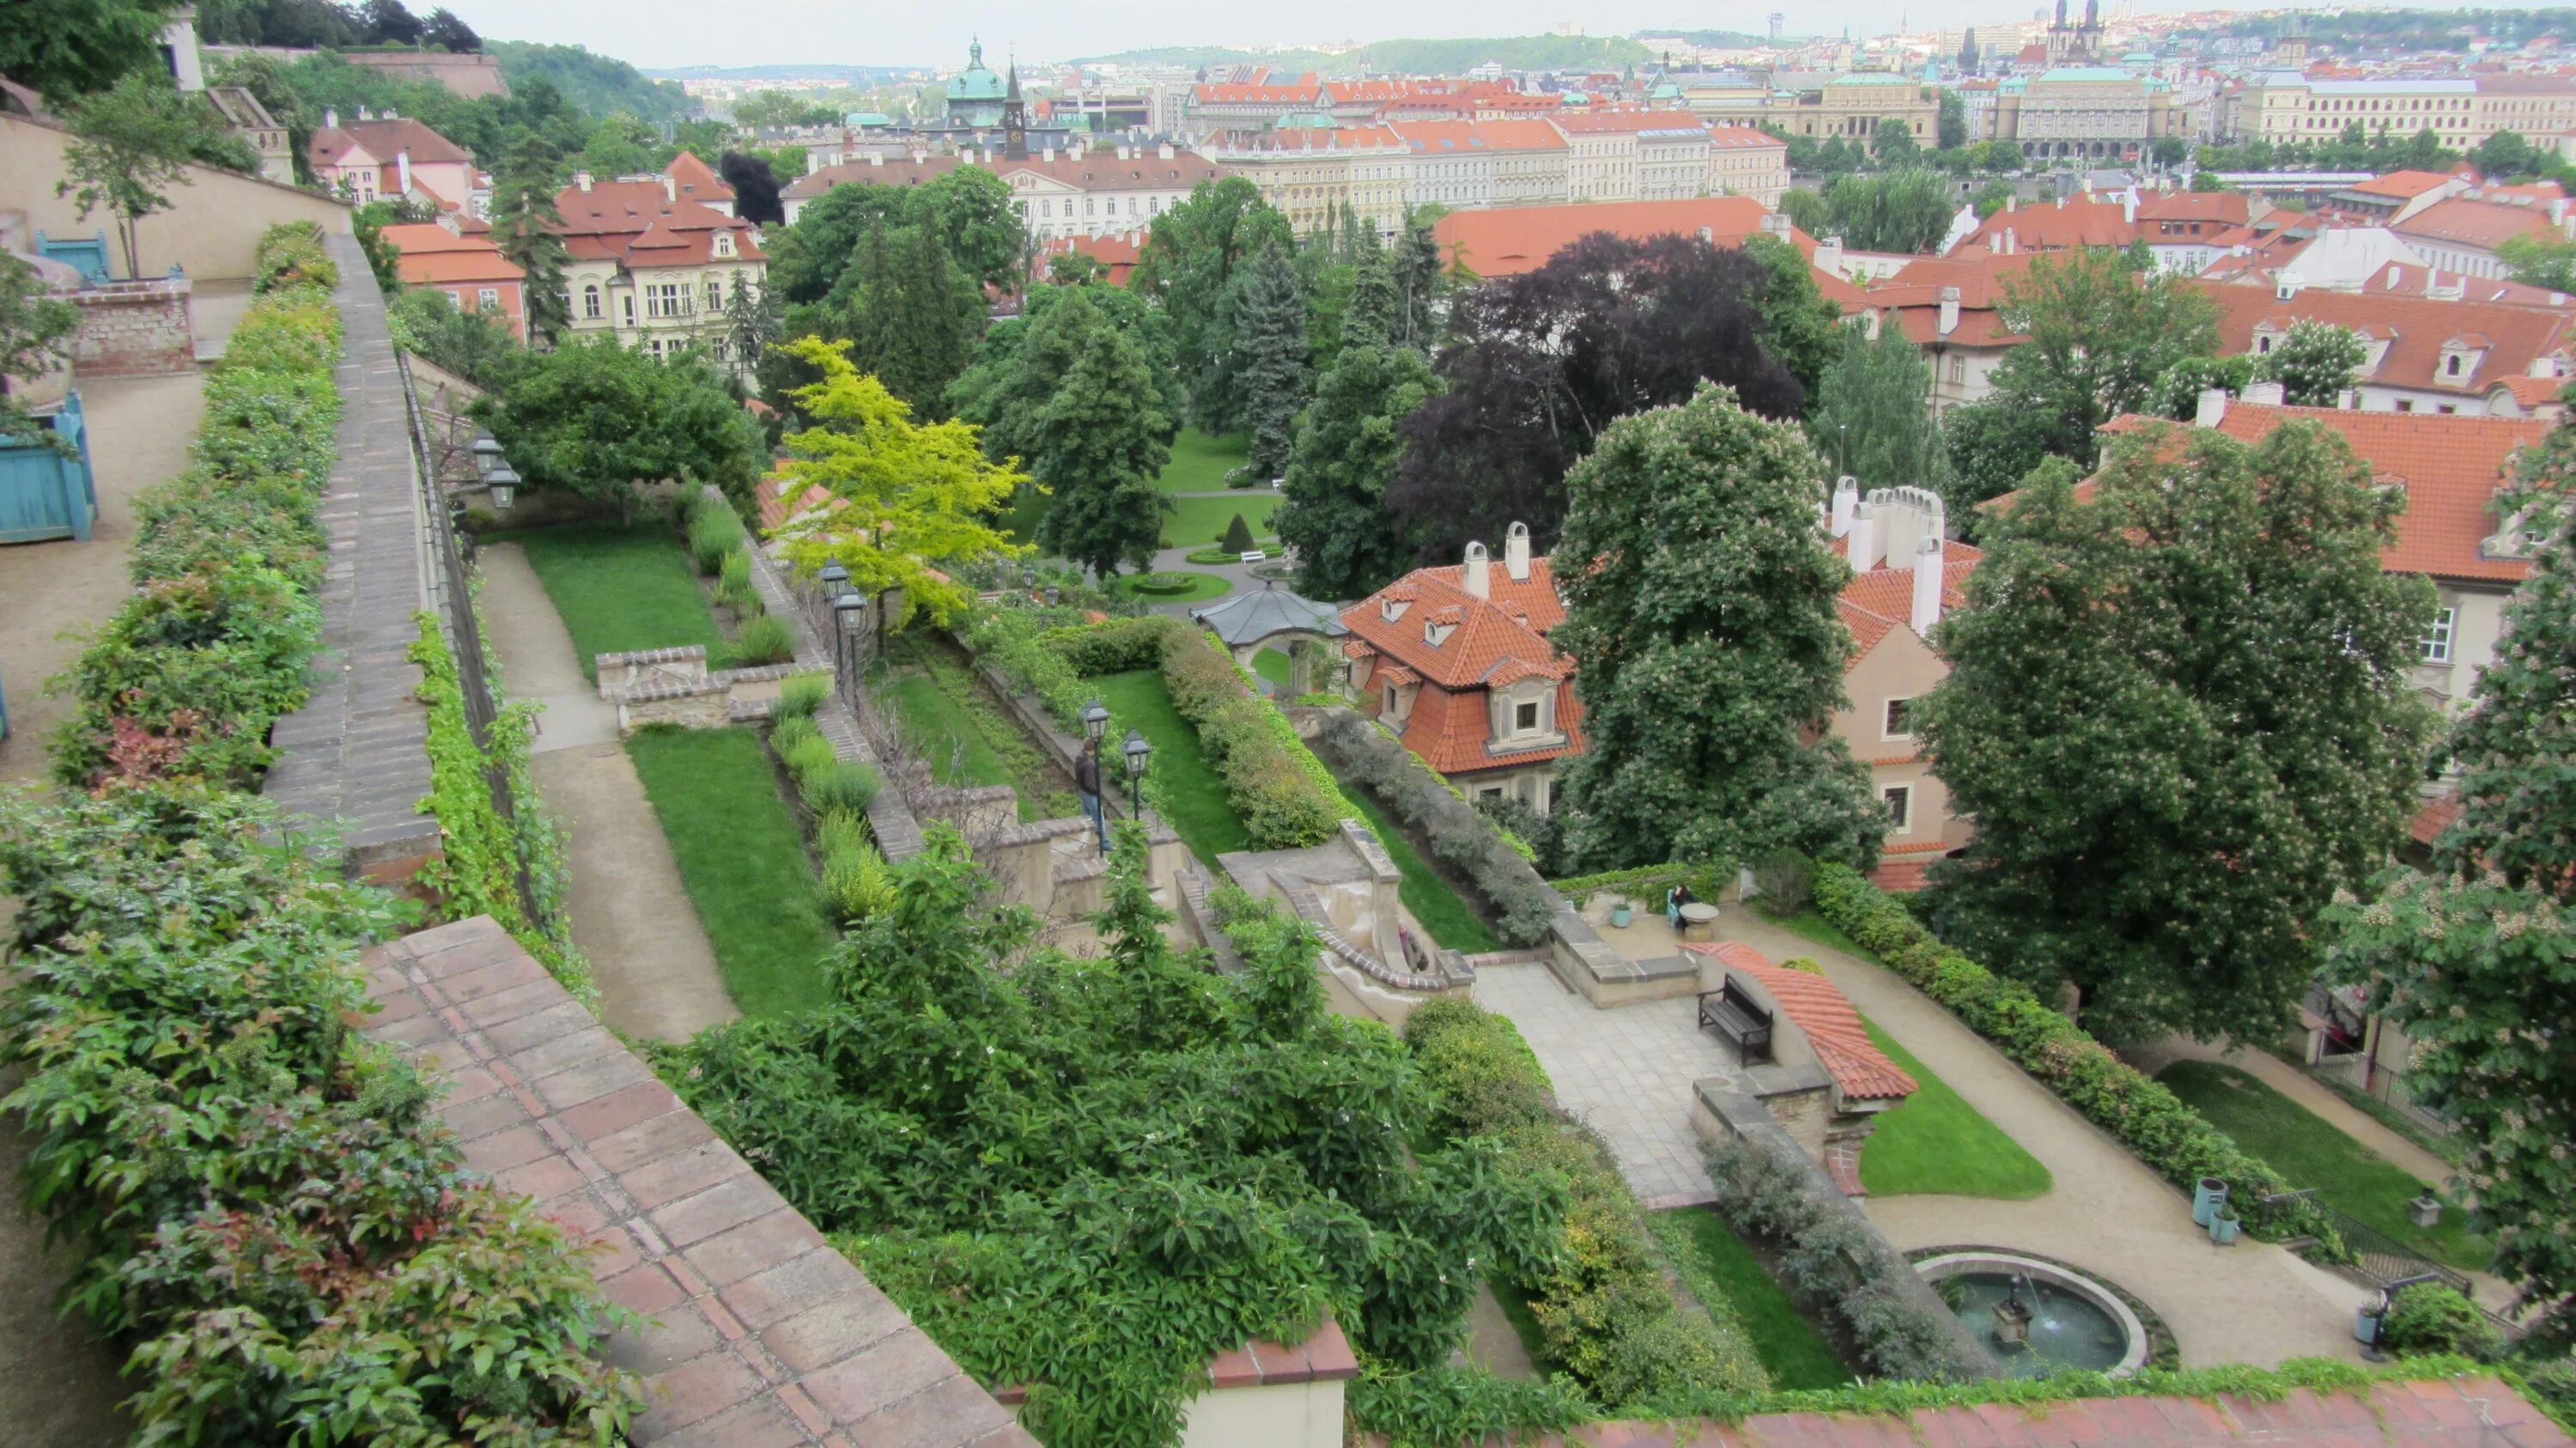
(1086, 779)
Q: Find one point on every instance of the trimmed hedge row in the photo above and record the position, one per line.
(2152, 1122)
(185, 679)
(1607, 1314)
(1646, 883)
(1522, 906)
(1284, 795)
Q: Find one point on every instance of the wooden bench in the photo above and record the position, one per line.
(1732, 1012)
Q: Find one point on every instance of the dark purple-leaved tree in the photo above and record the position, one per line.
(1545, 360)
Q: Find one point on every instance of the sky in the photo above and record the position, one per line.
(668, 33)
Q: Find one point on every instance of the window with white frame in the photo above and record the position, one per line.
(664, 299)
(724, 243)
(1899, 721)
(2437, 639)
(626, 305)
(1525, 717)
(715, 295)
(487, 299)
(1900, 806)
(590, 301)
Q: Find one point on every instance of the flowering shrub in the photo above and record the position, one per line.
(2152, 1122)
(256, 1194)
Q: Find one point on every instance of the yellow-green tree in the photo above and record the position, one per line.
(907, 497)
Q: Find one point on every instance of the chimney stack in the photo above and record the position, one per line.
(582, 180)
(2011, 245)
(1476, 578)
(1928, 583)
(2267, 394)
(1846, 506)
(402, 172)
(2213, 407)
(2348, 400)
(2129, 206)
(1864, 538)
(671, 189)
(1900, 528)
(331, 118)
(1949, 310)
(1516, 554)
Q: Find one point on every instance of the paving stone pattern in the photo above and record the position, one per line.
(759, 1335)
(1626, 1072)
(356, 755)
(2444, 1414)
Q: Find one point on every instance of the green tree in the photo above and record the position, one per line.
(1421, 285)
(2314, 363)
(131, 142)
(753, 323)
(1708, 652)
(1019, 364)
(2177, 393)
(1993, 447)
(2506, 156)
(910, 315)
(1270, 345)
(619, 145)
(1187, 265)
(2180, 714)
(1335, 517)
(911, 500)
(775, 109)
(2100, 334)
(2476, 961)
(524, 222)
(1101, 441)
(66, 49)
(35, 332)
(476, 346)
(1801, 328)
(2540, 260)
(1871, 419)
(1953, 124)
(2171, 151)
(1893, 144)
(1237, 537)
(599, 420)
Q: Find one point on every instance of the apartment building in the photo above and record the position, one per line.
(380, 156)
(1478, 164)
(1318, 174)
(652, 267)
(464, 263)
(1746, 161)
(1853, 105)
(1636, 155)
(2280, 106)
(2423, 354)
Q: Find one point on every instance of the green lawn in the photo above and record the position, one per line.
(967, 738)
(1199, 522)
(1200, 461)
(1193, 797)
(1201, 586)
(1714, 1263)
(1272, 664)
(742, 860)
(1020, 519)
(1812, 927)
(621, 589)
(1937, 1144)
(1432, 902)
(2348, 1176)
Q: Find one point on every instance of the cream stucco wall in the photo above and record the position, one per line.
(1902, 666)
(1286, 1415)
(212, 228)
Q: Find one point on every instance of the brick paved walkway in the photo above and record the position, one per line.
(1626, 1072)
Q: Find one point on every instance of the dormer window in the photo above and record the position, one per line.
(1392, 609)
(1435, 633)
(724, 243)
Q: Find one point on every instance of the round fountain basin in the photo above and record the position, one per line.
(2074, 1323)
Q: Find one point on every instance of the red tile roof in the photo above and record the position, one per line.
(2451, 468)
(698, 181)
(637, 222)
(2058, 226)
(384, 140)
(2521, 335)
(1913, 296)
(1506, 241)
(2397, 279)
(2481, 224)
(1462, 137)
(1821, 1013)
(2436, 816)
(2403, 185)
(1494, 642)
(1622, 123)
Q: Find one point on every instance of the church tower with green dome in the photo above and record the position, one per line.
(975, 96)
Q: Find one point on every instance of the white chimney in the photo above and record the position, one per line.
(2348, 400)
(1864, 539)
(1516, 554)
(1949, 310)
(876, 158)
(671, 189)
(1829, 255)
(365, 115)
(1478, 582)
(2266, 394)
(1167, 150)
(2544, 366)
(402, 172)
(2012, 203)
(2129, 207)
(1846, 506)
(1927, 585)
(331, 118)
(1900, 527)
(582, 180)
(2061, 201)
(2011, 245)
(2213, 407)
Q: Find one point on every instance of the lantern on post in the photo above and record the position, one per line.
(503, 485)
(835, 580)
(487, 454)
(1095, 719)
(1138, 753)
(848, 612)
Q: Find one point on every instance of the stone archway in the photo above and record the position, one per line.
(1272, 616)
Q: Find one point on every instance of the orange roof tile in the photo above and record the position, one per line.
(2436, 816)
(1506, 241)
(1452, 137)
(384, 139)
(2403, 185)
(698, 181)
(1820, 1011)
(2481, 224)
(2522, 335)
(2058, 226)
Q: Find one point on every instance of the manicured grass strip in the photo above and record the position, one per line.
(1199, 522)
(967, 738)
(1192, 796)
(621, 589)
(1714, 1262)
(1809, 926)
(742, 860)
(1432, 902)
(1938, 1145)
(2348, 1176)
(1200, 460)
(1027, 507)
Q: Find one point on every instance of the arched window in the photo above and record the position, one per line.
(590, 301)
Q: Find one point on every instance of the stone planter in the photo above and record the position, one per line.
(2425, 1211)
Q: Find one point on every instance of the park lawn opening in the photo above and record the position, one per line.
(1200, 522)
(1714, 1262)
(2311, 1152)
(1192, 797)
(742, 859)
(965, 737)
(1200, 461)
(621, 588)
(1936, 1144)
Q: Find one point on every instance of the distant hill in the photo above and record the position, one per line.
(1721, 39)
(597, 85)
(854, 75)
(1414, 57)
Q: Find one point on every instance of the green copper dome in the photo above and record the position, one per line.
(975, 82)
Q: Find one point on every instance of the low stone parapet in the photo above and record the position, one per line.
(134, 329)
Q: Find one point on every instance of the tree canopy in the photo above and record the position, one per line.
(2180, 712)
(1708, 651)
(1335, 515)
(976, 226)
(1545, 360)
(133, 141)
(65, 49)
(2314, 363)
(2100, 335)
(1871, 419)
(1099, 443)
(597, 419)
(1270, 353)
(1903, 210)
(1187, 265)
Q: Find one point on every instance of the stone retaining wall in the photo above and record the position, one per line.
(134, 329)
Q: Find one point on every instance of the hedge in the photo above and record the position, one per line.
(2152, 1122)
(1646, 882)
(185, 679)
(1523, 908)
(1607, 1314)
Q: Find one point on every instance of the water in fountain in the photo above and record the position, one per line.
(2066, 1330)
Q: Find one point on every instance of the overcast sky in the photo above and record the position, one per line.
(663, 33)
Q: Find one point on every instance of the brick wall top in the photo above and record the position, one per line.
(2444, 1413)
(760, 1335)
(357, 754)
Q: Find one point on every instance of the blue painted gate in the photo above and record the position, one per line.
(46, 491)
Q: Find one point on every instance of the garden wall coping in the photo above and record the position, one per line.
(355, 758)
(757, 1331)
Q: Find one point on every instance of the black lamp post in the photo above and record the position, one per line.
(835, 580)
(487, 454)
(503, 485)
(1095, 719)
(846, 610)
(1138, 752)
